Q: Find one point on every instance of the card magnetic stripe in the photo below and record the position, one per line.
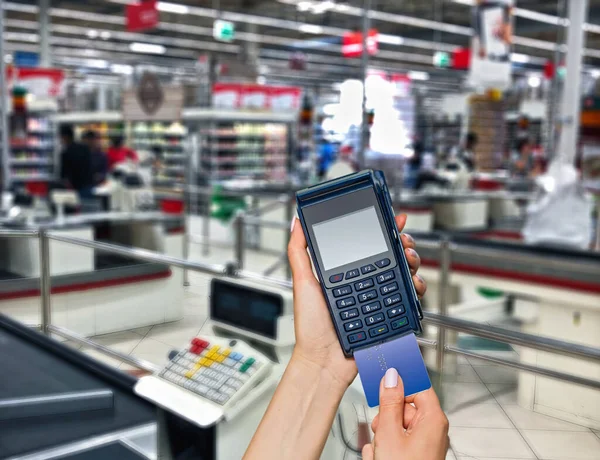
(404, 355)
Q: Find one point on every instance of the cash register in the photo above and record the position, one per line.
(214, 391)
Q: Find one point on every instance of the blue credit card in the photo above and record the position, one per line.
(404, 355)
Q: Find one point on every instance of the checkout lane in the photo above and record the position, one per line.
(93, 292)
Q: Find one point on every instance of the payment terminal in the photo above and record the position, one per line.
(356, 250)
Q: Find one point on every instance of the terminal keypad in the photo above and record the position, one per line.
(367, 304)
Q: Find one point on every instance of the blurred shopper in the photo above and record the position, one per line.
(467, 154)
(99, 158)
(76, 163)
(118, 153)
(522, 162)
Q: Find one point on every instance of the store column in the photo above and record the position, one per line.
(3, 107)
(571, 103)
(45, 59)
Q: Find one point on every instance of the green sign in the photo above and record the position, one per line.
(223, 30)
(442, 59)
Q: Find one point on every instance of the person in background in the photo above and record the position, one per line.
(99, 158)
(467, 154)
(119, 153)
(522, 162)
(76, 163)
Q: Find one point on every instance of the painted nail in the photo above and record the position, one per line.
(412, 253)
(391, 378)
(420, 278)
(409, 238)
(293, 224)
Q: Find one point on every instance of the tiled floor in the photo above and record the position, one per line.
(480, 400)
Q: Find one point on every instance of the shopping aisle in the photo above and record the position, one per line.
(485, 421)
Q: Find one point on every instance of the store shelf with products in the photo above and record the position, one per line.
(243, 145)
(32, 151)
(168, 138)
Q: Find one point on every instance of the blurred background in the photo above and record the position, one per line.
(152, 150)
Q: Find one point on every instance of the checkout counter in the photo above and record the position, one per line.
(162, 415)
(556, 301)
(96, 293)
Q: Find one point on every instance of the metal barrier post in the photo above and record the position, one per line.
(45, 294)
(289, 215)
(443, 300)
(240, 240)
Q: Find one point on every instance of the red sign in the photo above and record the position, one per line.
(40, 82)
(461, 58)
(352, 43)
(256, 97)
(142, 16)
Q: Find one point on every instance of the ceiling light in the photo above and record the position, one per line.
(105, 35)
(96, 63)
(122, 69)
(595, 73)
(390, 39)
(176, 8)
(534, 81)
(304, 6)
(310, 29)
(519, 58)
(322, 7)
(147, 48)
(92, 33)
(417, 75)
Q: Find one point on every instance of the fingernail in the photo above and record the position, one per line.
(412, 252)
(293, 224)
(391, 378)
(420, 278)
(409, 238)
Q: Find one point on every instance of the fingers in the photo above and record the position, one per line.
(391, 404)
(420, 285)
(408, 241)
(409, 414)
(413, 259)
(367, 452)
(297, 255)
(401, 221)
(426, 401)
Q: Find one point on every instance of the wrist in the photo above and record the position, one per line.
(316, 372)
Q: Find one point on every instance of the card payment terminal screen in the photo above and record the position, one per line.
(349, 238)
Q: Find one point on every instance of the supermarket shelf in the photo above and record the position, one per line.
(41, 177)
(200, 114)
(32, 162)
(80, 118)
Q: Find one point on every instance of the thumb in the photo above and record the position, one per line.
(391, 404)
(367, 452)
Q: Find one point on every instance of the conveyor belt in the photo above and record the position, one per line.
(33, 364)
(112, 271)
(583, 273)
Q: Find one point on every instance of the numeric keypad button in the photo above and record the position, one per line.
(389, 288)
(366, 296)
(349, 314)
(364, 284)
(385, 277)
(344, 290)
(371, 307)
(378, 318)
(347, 302)
(392, 300)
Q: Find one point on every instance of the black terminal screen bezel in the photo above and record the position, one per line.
(339, 207)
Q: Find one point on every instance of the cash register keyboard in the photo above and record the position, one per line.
(219, 370)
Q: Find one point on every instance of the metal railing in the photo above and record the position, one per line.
(442, 321)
